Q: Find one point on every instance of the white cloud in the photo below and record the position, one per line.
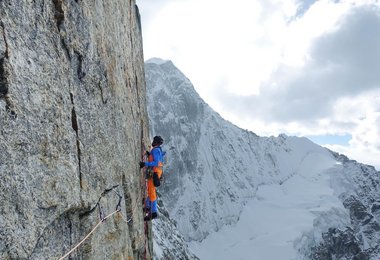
(239, 42)
(341, 63)
(362, 113)
(271, 66)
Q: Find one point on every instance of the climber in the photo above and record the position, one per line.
(154, 170)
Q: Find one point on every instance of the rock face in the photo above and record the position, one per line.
(72, 122)
(359, 190)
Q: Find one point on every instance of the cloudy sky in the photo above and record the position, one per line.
(300, 67)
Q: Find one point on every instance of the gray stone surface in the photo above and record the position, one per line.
(72, 119)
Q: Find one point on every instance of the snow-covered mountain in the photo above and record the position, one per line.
(168, 243)
(235, 195)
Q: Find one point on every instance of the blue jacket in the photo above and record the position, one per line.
(158, 156)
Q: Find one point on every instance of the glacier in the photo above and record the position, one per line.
(231, 194)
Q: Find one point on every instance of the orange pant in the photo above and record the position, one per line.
(151, 188)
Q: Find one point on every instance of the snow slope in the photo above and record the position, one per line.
(168, 243)
(273, 223)
(235, 195)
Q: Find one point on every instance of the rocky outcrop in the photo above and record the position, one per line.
(358, 189)
(168, 241)
(338, 244)
(72, 122)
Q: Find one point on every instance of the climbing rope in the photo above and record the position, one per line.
(143, 181)
(132, 212)
(89, 234)
(144, 157)
(104, 218)
(118, 208)
(124, 219)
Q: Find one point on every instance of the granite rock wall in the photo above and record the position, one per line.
(72, 122)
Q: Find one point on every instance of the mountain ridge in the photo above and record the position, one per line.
(216, 168)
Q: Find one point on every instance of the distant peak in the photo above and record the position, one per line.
(157, 61)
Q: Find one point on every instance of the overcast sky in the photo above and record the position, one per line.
(300, 67)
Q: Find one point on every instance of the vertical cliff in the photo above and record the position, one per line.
(72, 121)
